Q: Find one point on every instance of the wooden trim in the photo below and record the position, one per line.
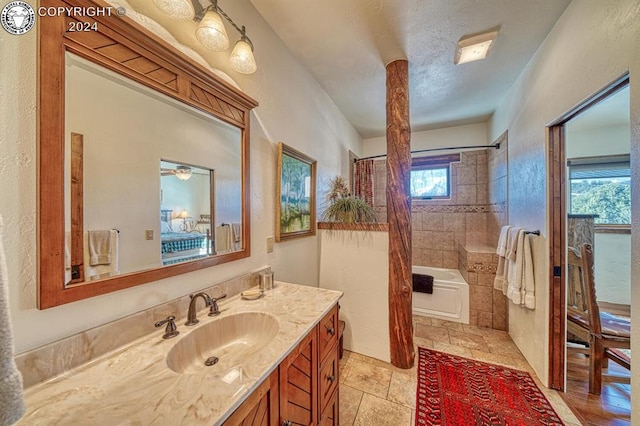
(612, 229)
(368, 226)
(76, 236)
(432, 162)
(399, 215)
(124, 47)
(557, 290)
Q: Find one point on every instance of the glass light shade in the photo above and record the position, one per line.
(183, 215)
(242, 59)
(211, 33)
(181, 10)
(183, 173)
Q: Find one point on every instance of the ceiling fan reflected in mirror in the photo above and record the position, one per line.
(181, 172)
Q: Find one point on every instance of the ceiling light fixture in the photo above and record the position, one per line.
(183, 172)
(211, 32)
(474, 47)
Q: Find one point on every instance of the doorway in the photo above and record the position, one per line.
(589, 200)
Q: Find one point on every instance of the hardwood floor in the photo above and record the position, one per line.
(612, 407)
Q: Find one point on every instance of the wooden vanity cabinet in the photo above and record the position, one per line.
(329, 374)
(260, 408)
(303, 390)
(299, 384)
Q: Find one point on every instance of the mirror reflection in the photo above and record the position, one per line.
(186, 195)
(149, 181)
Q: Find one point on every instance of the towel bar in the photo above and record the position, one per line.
(537, 232)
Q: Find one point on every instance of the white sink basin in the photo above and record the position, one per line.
(222, 343)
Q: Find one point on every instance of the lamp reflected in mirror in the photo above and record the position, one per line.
(185, 226)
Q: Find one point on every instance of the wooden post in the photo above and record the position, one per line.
(399, 214)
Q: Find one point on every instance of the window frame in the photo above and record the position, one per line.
(432, 163)
(600, 161)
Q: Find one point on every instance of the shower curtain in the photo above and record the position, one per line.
(364, 180)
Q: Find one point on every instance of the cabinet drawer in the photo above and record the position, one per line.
(328, 332)
(330, 415)
(328, 377)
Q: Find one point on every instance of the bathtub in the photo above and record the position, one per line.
(450, 298)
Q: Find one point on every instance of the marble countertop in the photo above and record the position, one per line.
(134, 385)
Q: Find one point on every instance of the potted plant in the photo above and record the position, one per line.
(345, 208)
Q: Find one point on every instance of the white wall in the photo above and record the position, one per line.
(592, 43)
(610, 140)
(467, 135)
(612, 260)
(293, 108)
(357, 263)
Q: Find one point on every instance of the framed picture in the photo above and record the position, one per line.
(295, 194)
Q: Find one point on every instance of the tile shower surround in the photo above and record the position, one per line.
(462, 232)
(43, 363)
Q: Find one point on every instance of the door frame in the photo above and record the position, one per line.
(556, 193)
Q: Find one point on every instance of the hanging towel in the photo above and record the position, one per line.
(224, 238)
(94, 272)
(500, 281)
(11, 400)
(237, 233)
(422, 283)
(100, 247)
(502, 241)
(512, 240)
(520, 274)
(528, 290)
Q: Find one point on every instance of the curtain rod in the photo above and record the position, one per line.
(496, 146)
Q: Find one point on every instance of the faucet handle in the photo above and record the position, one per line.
(214, 310)
(171, 330)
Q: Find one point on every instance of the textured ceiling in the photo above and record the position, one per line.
(346, 44)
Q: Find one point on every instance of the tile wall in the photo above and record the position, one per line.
(462, 232)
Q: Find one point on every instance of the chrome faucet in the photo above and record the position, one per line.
(208, 301)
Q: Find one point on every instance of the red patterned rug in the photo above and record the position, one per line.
(458, 391)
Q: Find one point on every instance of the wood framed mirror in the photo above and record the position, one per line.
(156, 186)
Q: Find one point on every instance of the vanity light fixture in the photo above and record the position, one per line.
(474, 47)
(183, 172)
(211, 32)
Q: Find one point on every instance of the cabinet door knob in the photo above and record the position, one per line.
(287, 423)
(331, 330)
(331, 378)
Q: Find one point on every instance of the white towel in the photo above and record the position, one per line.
(502, 241)
(94, 272)
(500, 281)
(11, 400)
(512, 240)
(520, 277)
(224, 239)
(100, 247)
(528, 290)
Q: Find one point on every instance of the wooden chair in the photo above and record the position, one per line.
(606, 332)
(577, 317)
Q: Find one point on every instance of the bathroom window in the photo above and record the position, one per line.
(430, 182)
(601, 186)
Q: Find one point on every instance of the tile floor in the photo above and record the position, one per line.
(373, 392)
